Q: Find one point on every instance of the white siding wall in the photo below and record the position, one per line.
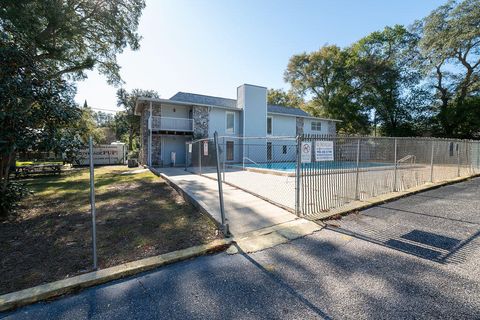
(283, 126)
(218, 122)
(253, 100)
(174, 111)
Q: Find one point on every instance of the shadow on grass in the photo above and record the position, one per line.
(136, 218)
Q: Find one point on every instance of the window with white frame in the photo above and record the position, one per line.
(316, 126)
(269, 125)
(230, 126)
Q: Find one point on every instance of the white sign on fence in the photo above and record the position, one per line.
(205, 148)
(103, 154)
(306, 152)
(323, 150)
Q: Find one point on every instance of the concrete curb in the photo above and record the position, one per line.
(365, 204)
(61, 287)
(270, 237)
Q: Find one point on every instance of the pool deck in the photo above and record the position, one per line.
(244, 212)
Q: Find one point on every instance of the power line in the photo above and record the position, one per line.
(104, 109)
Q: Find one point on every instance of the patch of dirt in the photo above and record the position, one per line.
(50, 237)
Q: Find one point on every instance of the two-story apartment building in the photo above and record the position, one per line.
(167, 124)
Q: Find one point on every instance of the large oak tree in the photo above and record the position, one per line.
(44, 46)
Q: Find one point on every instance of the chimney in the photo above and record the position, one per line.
(253, 100)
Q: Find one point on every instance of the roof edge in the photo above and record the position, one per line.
(180, 103)
(300, 116)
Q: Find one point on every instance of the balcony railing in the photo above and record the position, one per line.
(171, 124)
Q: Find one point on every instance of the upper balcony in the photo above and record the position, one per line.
(171, 124)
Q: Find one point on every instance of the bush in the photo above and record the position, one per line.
(11, 196)
(133, 154)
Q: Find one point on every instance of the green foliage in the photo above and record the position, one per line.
(14, 192)
(73, 36)
(103, 119)
(280, 97)
(44, 45)
(388, 85)
(449, 55)
(421, 80)
(326, 77)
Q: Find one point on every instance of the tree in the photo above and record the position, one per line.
(45, 44)
(387, 83)
(280, 97)
(128, 101)
(325, 77)
(72, 36)
(103, 119)
(449, 54)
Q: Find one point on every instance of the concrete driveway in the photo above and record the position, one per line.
(369, 267)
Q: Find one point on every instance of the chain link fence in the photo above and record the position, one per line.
(315, 175)
(359, 168)
(263, 166)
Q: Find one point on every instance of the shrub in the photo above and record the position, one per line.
(14, 191)
(133, 154)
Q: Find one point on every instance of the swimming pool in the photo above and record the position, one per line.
(291, 166)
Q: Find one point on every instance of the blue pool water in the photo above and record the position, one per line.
(291, 166)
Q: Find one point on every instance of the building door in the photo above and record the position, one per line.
(269, 151)
(230, 150)
(173, 145)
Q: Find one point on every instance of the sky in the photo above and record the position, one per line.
(212, 47)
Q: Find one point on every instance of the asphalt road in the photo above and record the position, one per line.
(417, 257)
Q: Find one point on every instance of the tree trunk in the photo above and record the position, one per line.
(5, 164)
(130, 139)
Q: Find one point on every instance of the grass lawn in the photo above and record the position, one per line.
(29, 163)
(138, 215)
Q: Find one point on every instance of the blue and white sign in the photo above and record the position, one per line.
(323, 150)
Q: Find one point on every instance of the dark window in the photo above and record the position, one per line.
(230, 127)
(269, 151)
(229, 150)
(451, 149)
(284, 149)
(269, 125)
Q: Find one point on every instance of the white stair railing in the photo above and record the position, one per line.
(410, 157)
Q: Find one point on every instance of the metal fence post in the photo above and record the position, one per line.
(395, 168)
(224, 157)
(186, 156)
(357, 197)
(458, 159)
(92, 204)
(150, 137)
(470, 156)
(220, 188)
(199, 157)
(431, 161)
(478, 156)
(298, 176)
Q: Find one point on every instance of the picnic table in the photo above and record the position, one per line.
(34, 169)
